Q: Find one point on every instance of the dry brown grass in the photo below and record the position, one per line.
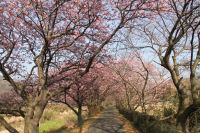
(16, 122)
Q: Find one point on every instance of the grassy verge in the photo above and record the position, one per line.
(58, 118)
(67, 124)
(127, 125)
(52, 125)
(84, 127)
(148, 124)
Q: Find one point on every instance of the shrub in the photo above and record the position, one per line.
(168, 111)
(161, 127)
(147, 123)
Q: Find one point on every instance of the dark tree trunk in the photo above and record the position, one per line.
(33, 114)
(184, 102)
(187, 112)
(79, 114)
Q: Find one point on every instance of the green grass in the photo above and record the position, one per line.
(51, 125)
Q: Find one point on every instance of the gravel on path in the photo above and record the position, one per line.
(108, 122)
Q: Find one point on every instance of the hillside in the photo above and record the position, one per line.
(4, 85)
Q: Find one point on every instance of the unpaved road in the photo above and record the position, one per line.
(108, 122)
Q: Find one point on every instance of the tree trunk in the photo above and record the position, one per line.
(80, 119)
(33, 114)
(128, 101)
(187, 112)
(184, 102)
(31, 125)
(194, 90)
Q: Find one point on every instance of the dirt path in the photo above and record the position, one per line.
(108, 122)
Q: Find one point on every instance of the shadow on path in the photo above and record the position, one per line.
(107, 123)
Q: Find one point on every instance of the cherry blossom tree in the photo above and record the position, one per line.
(140, 82)
(90, 90)
(174, 37)
(10, 104)
(104, 85)
(38, 36)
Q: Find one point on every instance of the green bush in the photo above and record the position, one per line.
(168, 111)
(161, 127)
(146, 123)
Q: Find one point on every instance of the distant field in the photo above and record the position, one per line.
(4, 85)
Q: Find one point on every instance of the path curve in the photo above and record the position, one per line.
(108, 122)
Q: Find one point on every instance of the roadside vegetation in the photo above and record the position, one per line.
(56, 118)
(63, 61)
